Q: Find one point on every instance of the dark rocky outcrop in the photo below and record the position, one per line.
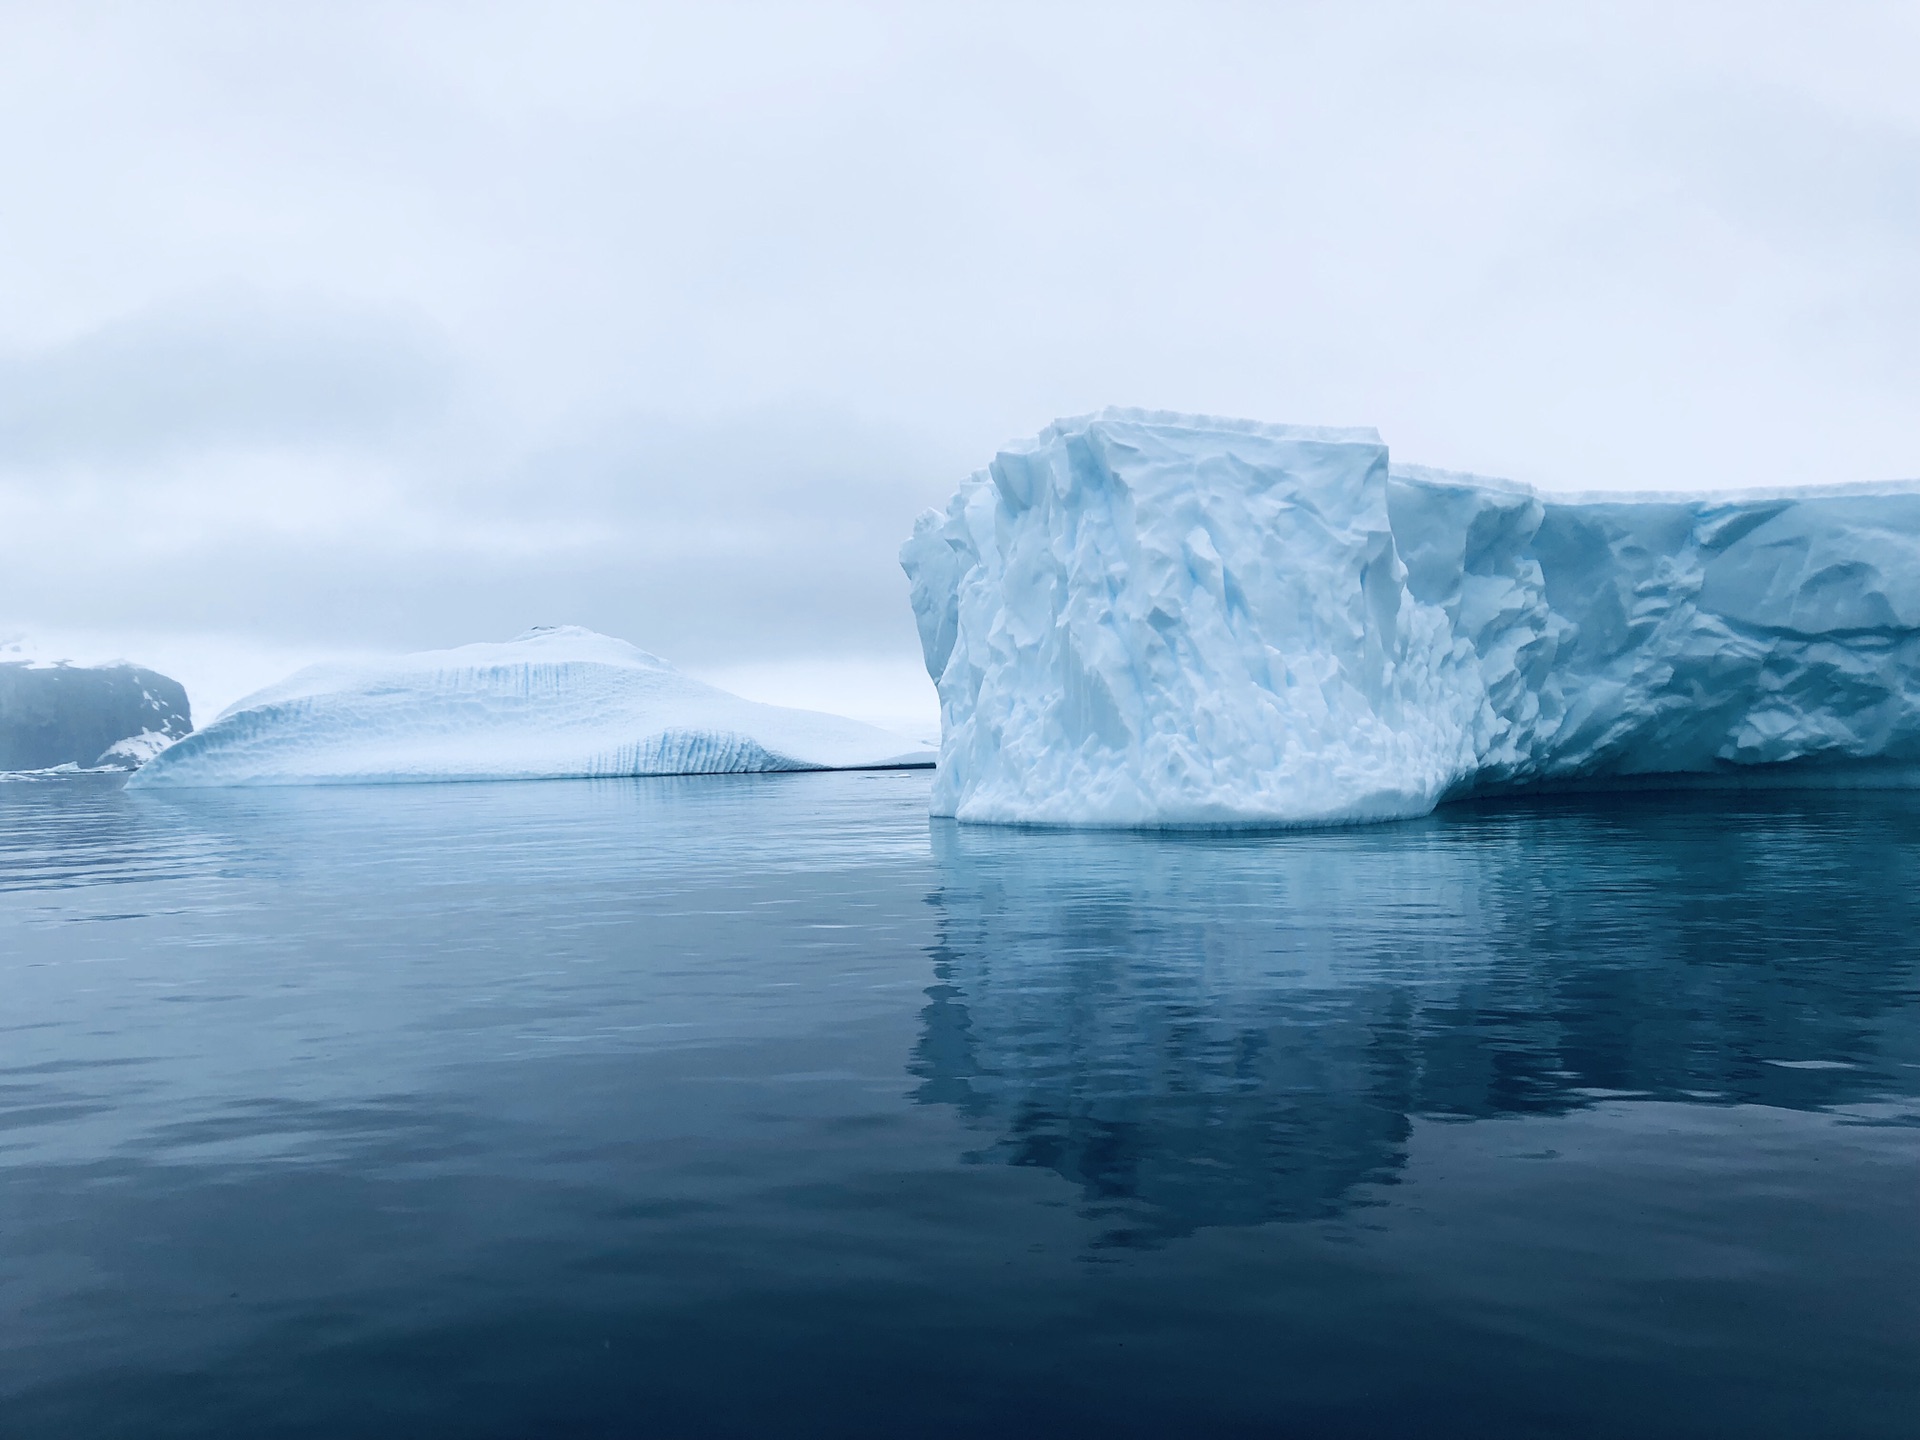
(72, 714)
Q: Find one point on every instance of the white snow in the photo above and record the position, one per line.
(554, 703)
(1147, 619)
(134, 751)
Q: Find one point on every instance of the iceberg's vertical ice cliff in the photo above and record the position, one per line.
(1139, 620)
(1162, 620)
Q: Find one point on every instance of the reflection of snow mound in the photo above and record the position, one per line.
(554, 703)
(1151, 619)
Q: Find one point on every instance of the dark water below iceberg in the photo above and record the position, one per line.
(763, 1106)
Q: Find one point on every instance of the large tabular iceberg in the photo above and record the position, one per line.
(555, 703)
(1145, 619)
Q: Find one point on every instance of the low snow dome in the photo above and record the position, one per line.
(1160, 620)
(555, 703)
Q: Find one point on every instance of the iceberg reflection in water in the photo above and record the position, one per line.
(1215, 1030)
(757, 1104)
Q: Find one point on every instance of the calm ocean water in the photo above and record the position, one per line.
(764, 1106)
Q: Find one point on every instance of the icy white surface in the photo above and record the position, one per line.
(554, 703)
(134, 751)
(1161, 620)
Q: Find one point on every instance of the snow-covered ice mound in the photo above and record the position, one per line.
(552, 704)
(1162, 620)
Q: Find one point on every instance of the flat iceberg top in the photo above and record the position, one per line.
(1149, 619)
(552, 704)
(1732, 495)
(1173, 422)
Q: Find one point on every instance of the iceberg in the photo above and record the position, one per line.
(86, 716)
(556, 703)
(1158, 620)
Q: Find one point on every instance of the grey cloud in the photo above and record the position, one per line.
(749, 535)
(694, 602)
(669, 320)
(1811, 177)
(226, 370)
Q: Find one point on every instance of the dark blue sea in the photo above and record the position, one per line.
(764, 1106)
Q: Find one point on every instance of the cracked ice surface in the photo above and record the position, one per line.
(1148, 619)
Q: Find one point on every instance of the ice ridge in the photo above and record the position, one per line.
(1148, 619)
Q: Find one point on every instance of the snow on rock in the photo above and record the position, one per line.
(1146, 619)
(134, 751)
(54, 714)
(557, 702)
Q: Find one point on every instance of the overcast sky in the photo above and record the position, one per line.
(337, 327)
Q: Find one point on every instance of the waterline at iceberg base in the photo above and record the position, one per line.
(1159, 620)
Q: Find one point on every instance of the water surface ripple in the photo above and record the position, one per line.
(763, 1105)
